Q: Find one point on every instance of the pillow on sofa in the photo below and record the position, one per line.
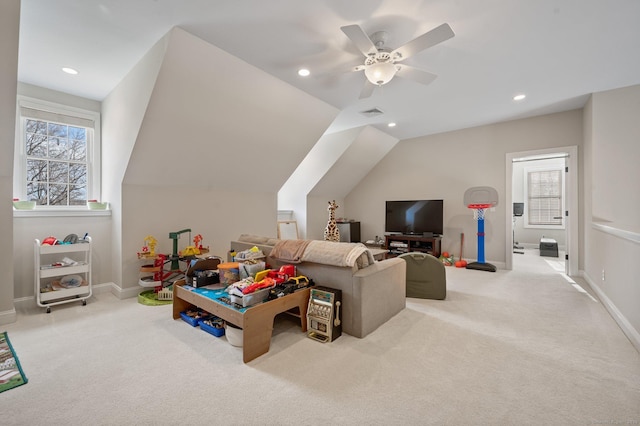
(362, 261)
(254, 239)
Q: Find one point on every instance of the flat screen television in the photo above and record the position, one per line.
(414, 217)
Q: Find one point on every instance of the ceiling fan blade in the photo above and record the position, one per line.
(367, 89)
(360, 39)
(415, 74)
(425, 41)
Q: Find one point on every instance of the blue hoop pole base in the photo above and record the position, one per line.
(481, 264)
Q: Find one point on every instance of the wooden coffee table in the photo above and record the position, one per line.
(256, 321)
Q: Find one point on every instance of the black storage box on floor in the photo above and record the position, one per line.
(548, 247)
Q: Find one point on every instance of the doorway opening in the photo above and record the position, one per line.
(525, 230)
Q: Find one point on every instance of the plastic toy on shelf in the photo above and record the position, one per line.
(62, 271)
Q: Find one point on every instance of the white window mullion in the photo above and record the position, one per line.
(63, 119)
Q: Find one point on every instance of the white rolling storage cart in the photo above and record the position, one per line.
(62, 273)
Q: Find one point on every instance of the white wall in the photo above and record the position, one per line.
(293, 194)
(217, 214)
(616, 127)
(218, 138)
(9, 32)
(611, 203)
(333, 167)
(214, 121)
(444, 166)
(122, 114)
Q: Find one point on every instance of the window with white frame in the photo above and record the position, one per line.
(57, 154)
(544, 196)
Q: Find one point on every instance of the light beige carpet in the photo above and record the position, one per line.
(522, 347)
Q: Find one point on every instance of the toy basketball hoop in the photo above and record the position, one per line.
(478, 210)
(479, 199)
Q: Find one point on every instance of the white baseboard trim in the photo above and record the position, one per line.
(117, 291)
(628, 329)
(120, 293)
(124, 293)
(8, 317)
(109, 287)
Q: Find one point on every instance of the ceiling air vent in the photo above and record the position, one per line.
(373, 112)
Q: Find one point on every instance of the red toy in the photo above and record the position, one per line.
(283, 274)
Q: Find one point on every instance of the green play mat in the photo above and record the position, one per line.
(150, 298)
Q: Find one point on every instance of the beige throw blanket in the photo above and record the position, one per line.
(289, 250)
(337, 254)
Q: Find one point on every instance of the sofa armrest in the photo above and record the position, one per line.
(380, 290)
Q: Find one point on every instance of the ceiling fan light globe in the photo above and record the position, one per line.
(380, 73)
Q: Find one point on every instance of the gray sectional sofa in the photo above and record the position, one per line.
(372, 293)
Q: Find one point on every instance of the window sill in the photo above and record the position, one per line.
(60, 213)
(545, 227)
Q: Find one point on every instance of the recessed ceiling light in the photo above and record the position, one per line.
(519, 97)
(70, 71)
(303, 72)
(391, 124)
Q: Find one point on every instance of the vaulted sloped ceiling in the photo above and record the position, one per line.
(215, 121)
(367, 149)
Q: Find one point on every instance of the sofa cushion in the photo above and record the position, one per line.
(254, 239)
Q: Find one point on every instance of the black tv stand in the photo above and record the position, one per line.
(398, 244)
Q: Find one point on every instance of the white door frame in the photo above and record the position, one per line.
(571, 205)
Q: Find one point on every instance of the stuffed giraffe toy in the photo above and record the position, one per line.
(331, 232)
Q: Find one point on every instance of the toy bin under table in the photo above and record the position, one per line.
(213, 325)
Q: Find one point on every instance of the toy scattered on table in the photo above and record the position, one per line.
(280, 276)
(289, 286)
(267, 284)
(248, 254)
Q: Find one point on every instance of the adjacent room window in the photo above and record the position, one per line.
(544, 193)
(57, 154)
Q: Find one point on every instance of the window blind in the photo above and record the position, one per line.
(545, 197)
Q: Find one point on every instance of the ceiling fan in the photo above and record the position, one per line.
(381, 64)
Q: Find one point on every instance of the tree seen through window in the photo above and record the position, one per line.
(56, 163)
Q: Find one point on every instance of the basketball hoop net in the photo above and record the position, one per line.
(478, 210)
